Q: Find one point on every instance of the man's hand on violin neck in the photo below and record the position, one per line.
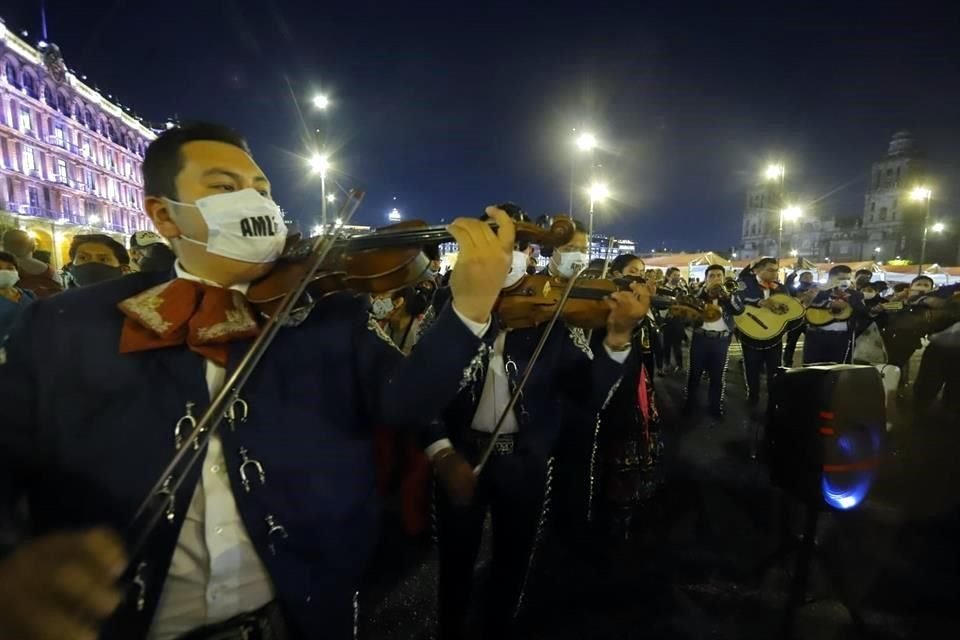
(482, 264)
(627, 308)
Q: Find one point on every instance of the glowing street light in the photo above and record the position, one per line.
(775, 172)
(586, 142)
(794, 253)
(877, 249)
(938, 227)
(317, 230)
(923, 194)
(331, 198)
(321, 101)
(394, 215)
(598, 192)
(320, 163)
(338, 223)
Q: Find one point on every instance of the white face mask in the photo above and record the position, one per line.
(843, 285)
(518, 269)
(569, 264)
(242, 225)
(8, 278)
(869, 295)
(382, 307)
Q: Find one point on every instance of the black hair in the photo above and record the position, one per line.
(714, 267)
(918, 278)
(622, 261)
(98, 238)
(762, 262)
(597, 263)
(838, 269)
(8, 257)
(42, 255)
(900, 286)
(671, 270)
(163, 159)
(863, 272)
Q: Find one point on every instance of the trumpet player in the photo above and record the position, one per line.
(711, 342)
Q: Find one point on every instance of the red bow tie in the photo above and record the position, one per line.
(204, 317)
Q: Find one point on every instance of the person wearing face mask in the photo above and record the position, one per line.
(96, 258)
(272, 528)
(13, 299)
(569, 259)
(674, 331)
(148, 252)
(35, 275)
(833, 342)
(516, 485)
(862, 278)
(804, 289)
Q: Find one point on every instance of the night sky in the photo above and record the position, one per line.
(452, 106)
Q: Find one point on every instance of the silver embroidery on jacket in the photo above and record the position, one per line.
(144, 306)
(592, 488)
(374, 326)
(579, 338)
(473, 372)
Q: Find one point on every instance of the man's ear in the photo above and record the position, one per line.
(159, 211)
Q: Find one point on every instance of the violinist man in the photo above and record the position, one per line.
(515, 484)
(756, 284)
(674, 330)
(833, 342)
(711, 342)
(268, 536)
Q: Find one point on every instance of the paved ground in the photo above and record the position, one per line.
(699, 572)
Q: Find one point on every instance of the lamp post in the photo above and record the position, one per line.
(922, 194)
(777, 173)
(791, 214)
(585, 143)
(321, 102)
(598, 192)
(320, 163)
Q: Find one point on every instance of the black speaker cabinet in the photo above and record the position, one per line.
(825, 431)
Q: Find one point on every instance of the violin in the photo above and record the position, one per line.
(377, 262)
(533, 301)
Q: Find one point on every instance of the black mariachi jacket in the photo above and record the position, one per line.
(87, 431)
(567, 370)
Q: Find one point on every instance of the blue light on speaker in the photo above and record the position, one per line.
(846, 489)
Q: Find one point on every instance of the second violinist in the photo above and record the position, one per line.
(515, 484)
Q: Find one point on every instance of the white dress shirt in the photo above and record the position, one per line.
(215, 573)
(496, 394)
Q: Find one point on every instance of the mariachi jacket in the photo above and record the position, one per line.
(567, 370)
(87, 431)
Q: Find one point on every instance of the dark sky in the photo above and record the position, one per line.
(451, 106)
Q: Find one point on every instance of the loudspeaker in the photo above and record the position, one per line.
(825, 431)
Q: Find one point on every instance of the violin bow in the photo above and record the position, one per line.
(224, 399)
(518, 391)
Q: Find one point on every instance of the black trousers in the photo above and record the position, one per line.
(673, 333)
(708, 354)
(512, 489)
(827, 346)
(759, 359)
(793, 337)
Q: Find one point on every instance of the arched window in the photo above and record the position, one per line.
(30, 85)
(49, 96)
(12, 77)
(91, 121)
(63, 104)
(78, 111)
(110, 133)
(753, 229)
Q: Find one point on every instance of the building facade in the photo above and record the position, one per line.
(890, 226)
(69, 158)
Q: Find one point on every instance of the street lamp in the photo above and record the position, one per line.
(321, 101)
(791, 214)
(394, 215)
(586, 142)
(320, 163)
(775, 172)
(923, 194)
(331, 198)
(598, 192)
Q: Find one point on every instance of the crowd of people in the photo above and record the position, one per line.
(271, 533)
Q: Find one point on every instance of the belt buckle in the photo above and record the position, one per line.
(503, 446)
